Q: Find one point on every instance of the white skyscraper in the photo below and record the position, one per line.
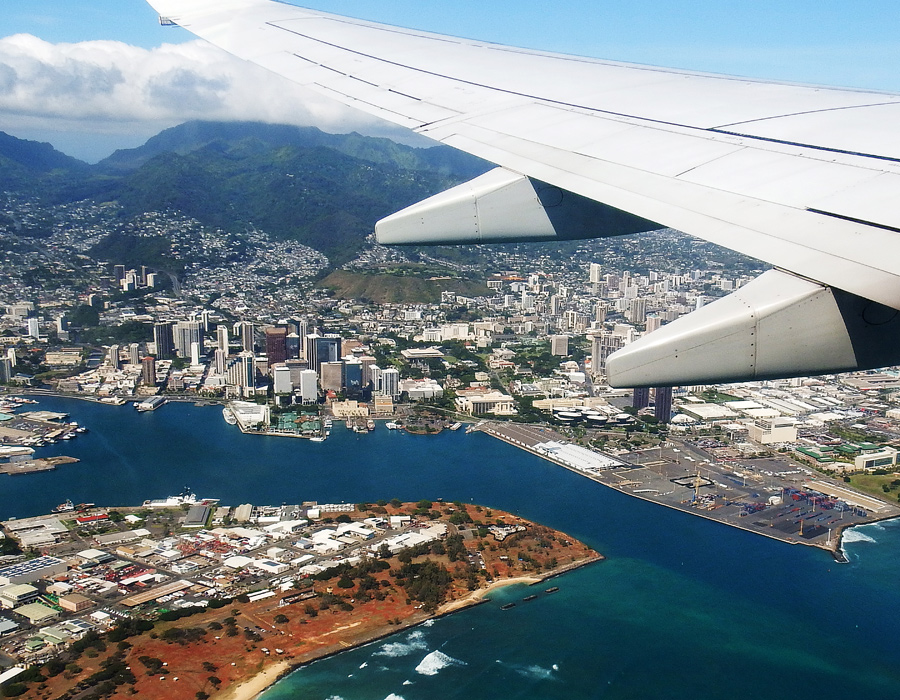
(112, 357)
(281, 379)
(195, 354)
(308, 386)
(390, 382)
(34, 328)
(185, 333)
(134, 357)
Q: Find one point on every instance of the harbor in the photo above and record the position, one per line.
(773, 497)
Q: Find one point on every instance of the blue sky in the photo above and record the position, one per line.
(854, 44)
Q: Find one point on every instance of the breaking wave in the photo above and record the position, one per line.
(394, 696)
(854, 535)
(432, 664)
(414, 642)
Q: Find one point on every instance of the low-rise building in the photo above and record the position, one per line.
(14, 595)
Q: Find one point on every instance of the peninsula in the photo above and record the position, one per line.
(393, 565)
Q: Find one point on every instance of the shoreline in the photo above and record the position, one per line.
(836, 550)
(254, 687)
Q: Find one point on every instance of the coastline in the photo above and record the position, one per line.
(835, 549)
(254, 687)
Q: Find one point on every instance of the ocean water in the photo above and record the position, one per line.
(682, 608)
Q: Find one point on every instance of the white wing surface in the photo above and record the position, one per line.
(802, 177)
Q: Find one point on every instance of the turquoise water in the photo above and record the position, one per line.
(683, 607)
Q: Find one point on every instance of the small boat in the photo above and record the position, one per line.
(456, 426)
(391, 425)
(66, 507)
(529, 597)
(370, 424)
(554, 589)
(229, 416)
(318, 438)
(507, 606)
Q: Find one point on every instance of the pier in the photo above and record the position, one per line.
(772, 497)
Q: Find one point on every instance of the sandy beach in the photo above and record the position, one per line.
(250, 689)
(476, 596)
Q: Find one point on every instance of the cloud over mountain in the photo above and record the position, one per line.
(108, 87)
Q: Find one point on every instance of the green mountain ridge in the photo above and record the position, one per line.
(322, 190)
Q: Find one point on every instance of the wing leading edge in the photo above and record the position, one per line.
(801, 177)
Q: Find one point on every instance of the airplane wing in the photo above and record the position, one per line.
(801, 177)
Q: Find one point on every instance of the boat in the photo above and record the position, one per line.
(228, 415)
(318, 438)
(456, 426)
(370, 424)
(66, 507)
(391, 425)
(507, 606)
(529, 597)
(186, 497)
(81, 429)
(81, 507)
(554, 589)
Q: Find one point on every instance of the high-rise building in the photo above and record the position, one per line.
(220, 360)
(281, 379)
(292, 346)
(375, 379)
(602, 347)
(195, 354)
(119, 272)
(662, 407)
(559, 345)
(390, 382)
(148, 371)
(34, 327)
(595, 274)
(11, 356)
(222, 338)
(321, 349)
(276, 345)
(205, 316)
(241, 371)
(353, 381)
(6, 370)
(637, 310)
(654, 321)
(112, 357)
(245, 331)
(331, 375)
(641, 398)
(134, 357)
(308, 390)
(164, 339)
(185, 333)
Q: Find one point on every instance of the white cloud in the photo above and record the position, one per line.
(100, 87)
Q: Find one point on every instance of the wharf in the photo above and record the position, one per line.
(44, 464)
(684, 477)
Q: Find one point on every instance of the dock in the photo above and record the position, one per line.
(772, 497)
(44, 464)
